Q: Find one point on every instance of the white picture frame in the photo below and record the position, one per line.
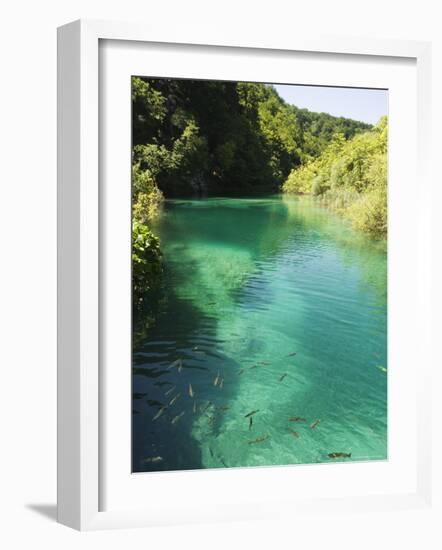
(80, 398)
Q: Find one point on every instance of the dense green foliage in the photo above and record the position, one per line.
(199, 137)
(146, 255)
(146, 197)
(351, 177)
(146, 261)
(234, 138)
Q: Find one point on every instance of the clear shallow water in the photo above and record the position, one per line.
(249, 283)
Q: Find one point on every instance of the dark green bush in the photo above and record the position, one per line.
(351, 178)
(146, 262)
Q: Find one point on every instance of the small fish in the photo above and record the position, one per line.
(216, 381)
(178, 363)
(282, 377)
(264, 363)
(211, 452)
(251, 413)
(159, 413)
(315, 423)
(191, 390)
(292, 354)
(224, 408)
(223, 462)
(296, 419)
(170, 390)
(381, 368)
(180, 366)
(259, 439)
(294, 434)
(240, 371)
(254, 366)
(221, 384)
(195, 348)
(207, 406)
(339, 455)
(177, 417)
(194, 407)
(174, 399)
(250, 422)
(153, 459)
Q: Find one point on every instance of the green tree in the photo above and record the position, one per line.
(350, 176)
(224, 137)
(146, 262)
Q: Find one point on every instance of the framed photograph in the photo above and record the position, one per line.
(234, 288)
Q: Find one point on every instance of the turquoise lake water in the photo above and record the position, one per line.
(271, 305)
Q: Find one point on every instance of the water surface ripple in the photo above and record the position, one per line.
(271, 305)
